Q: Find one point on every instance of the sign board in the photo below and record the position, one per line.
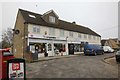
(16, 69)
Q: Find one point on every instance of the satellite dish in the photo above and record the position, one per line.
(17, 31)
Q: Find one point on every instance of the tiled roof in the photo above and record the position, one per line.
(61, 24)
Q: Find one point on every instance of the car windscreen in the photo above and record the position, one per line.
(90, 46)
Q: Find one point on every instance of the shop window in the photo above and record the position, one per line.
(41, 47)
(77, 48)
(59, 47)
(49, 47)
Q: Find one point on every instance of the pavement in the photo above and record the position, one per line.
(111, 60)
(56, 57)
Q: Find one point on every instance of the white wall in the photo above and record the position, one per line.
(75, 37)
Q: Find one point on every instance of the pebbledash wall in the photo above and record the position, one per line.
(43, 37)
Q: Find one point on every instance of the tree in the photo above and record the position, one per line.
(7, 38)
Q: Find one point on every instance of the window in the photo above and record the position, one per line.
(89, 36)
(49, 47)
(79, 35)
(97, 38)
(52, 19)
(59, 47)
(71, 34)
(85, 36)
(77, 47)
(32, 16)
(52, 31)
(36, 29)
(94, 37)
(61, 33)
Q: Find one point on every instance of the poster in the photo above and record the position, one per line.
(16, 70)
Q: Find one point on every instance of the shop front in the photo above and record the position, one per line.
(48, 47)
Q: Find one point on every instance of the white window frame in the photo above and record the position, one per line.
(52, 19)
(36, 29)
(51, 31)
(70, 34)
(85, 36)
(79, 35)
(89, 36)
(62, 33)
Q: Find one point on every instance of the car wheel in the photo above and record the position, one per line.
(95, 53)
(102, 53)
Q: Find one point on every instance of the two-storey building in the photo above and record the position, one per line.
(47, 33)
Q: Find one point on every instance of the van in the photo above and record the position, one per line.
(94, 49)
(108, 49)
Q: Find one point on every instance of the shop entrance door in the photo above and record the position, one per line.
(71, 48)
(49, 49)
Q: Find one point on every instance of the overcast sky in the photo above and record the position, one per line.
(102, 17)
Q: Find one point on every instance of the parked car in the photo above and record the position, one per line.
(117, 55)
(108, 49)
(93, 49)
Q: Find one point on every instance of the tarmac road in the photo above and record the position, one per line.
(73, 67)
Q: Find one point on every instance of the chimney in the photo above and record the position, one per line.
(74, 22)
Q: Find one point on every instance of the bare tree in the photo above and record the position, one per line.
(7, 38)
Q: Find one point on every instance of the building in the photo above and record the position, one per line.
(47, 33)
(113, 43)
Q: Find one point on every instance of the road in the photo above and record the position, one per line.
(73, 67)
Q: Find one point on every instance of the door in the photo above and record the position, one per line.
(71, 48)
(49, 49)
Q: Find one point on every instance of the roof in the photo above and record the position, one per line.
(110, 42)
(50, 12)
(61, 24)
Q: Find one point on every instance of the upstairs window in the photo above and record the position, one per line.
(89, 36)
(85, 36)
(71, 34)
(36, 29)
(52, 31)
(94, 37)
(52, 19)
(61, 33)
(79, 35)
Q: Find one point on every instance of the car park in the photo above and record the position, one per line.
(94, 49)
(108, 49)
(117, 55)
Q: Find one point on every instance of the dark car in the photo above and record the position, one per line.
(117, 55)
(94, 49)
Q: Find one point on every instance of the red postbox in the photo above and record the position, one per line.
(5, 55)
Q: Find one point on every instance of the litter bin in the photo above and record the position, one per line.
(35, 56)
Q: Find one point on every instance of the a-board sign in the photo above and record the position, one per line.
(16, 69)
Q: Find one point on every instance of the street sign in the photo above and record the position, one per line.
(16, 69)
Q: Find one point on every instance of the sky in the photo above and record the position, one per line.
(100, 16)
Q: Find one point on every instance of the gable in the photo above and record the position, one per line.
(50, 17)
